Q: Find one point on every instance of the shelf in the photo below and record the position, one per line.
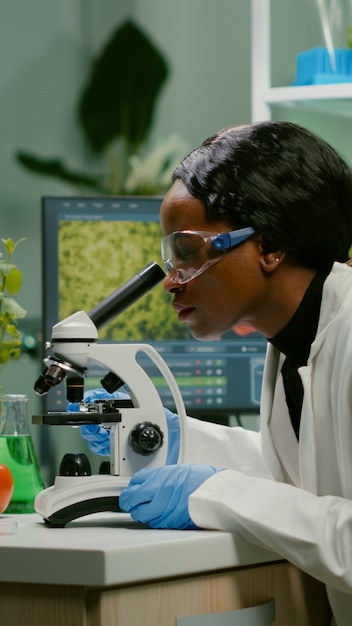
(333, 98)
(308, 92)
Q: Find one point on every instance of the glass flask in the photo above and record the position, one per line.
(17, 452)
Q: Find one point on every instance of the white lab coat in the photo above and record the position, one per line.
(293, 499)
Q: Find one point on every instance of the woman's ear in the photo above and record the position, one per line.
(270, 261)
(270, 258)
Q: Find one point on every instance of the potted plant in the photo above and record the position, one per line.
(115, 111)
(17, 452)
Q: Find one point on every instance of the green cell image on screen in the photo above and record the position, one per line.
(95, 258)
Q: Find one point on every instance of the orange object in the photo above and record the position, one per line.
(6, 487)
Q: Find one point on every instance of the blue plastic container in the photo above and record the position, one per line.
(313, 67)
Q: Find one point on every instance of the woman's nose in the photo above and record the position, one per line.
(170, 283)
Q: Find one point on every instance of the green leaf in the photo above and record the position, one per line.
(120, 96)
(5, 353)
(16, 353)
(57, 169)
(6, 268)
(12, 308)
(14, 280)
(18, 242)
(9, 350)
(13, 331)
(9, 245)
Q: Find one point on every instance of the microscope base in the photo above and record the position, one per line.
(59, 519)
(73, 497)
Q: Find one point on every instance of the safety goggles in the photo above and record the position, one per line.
(188, 253)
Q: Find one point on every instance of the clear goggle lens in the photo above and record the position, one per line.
(188, 253)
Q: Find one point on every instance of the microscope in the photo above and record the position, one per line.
(137, 425)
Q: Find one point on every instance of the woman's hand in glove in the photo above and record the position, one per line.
(159, 496)
(98, 437)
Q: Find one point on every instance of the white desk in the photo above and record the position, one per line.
(104, 570)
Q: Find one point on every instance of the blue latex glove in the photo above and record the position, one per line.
(99, 438)
(159, 496)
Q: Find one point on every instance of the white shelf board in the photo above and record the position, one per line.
(308, 92)
(334, 98)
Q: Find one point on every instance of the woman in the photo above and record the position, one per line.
(257, 229)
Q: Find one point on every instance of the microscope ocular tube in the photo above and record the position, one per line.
(127, 294)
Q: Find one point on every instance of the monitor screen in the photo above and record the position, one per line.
(91, 246)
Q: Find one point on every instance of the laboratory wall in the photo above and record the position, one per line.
(46, 51)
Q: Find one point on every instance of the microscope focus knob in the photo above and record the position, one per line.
(146, 438)
(75, 465)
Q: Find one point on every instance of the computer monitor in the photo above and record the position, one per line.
(91, 246)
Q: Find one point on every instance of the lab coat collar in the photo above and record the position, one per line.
(335, 296)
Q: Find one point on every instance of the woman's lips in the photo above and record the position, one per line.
(183, 311)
